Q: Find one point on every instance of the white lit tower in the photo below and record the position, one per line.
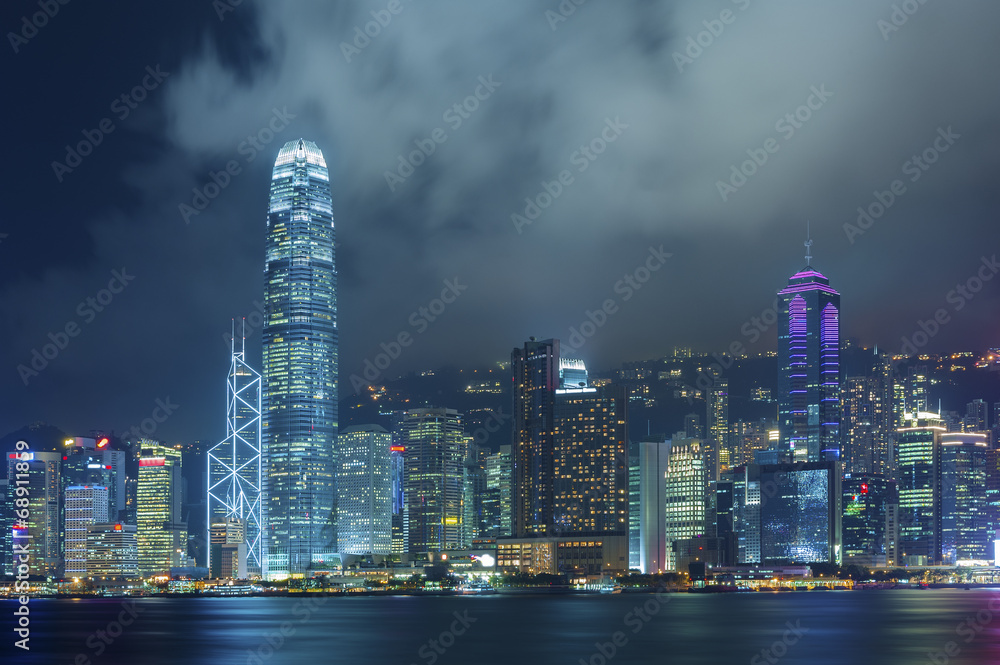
(234, 464)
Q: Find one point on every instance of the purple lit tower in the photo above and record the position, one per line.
(809, 366)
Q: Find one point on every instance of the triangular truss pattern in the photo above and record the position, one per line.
(234, 464)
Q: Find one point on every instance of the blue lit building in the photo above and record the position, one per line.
(809, 366)
(299, 419)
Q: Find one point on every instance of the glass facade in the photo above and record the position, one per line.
(161, 536)
(364, 493)
(809, 367)
(299, 420)
(966, 521)
(684, 495)
(917, 460)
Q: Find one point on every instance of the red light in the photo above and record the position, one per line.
(103, 441)
(118, 527)
(152, 461)
(64, 457)
(864, 488)
(107, 467)
(397, 449)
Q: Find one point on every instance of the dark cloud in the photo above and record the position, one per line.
(656, 184)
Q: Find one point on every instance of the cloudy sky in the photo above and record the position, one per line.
(600, 138)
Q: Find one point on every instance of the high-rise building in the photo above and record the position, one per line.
(684, 495)
(868, 499)
(161, 535)
(235, 472)
(653, 456)
(479, 506)
(498, 484)
(93, 461)
(300, 338)
(717, 418)
(967, 531)
(692, 426)
(435, 472)
(918, 458)
(43, 528)
(112, 551)
(590, 460)
(364, 490)
(400, 511)
(535, 379)
(84, 505)
(228, 547)
(809, 366)
(976, 416)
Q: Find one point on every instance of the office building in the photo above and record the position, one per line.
(161, 533)
(112, 551)
(228, 547)
(535, 370)
(868, 500)
(434, 482)
(84, 505)
(93, 461)
(716, 442)
(498, 487)
(684, 493)
(364, 490)
(809, 366)
(300, 346)
(918, 457)
(400, 521)
(967, 523)
(653, 456)
(42, 531)
(590, 458)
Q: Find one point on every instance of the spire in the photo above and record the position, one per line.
(808, 243)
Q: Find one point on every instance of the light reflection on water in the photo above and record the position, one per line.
(885, 627)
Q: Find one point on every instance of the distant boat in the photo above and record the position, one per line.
(609, 588)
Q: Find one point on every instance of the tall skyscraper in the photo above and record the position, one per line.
(235, 473)
(809, 366)
(84, 505)
(536, 376)
(435, 473)
(364, 492)
(300, 339)
(918, 459)
(684, 495)
(42, 535)
(976, 416)
(590, 460)
(717, 407)
(652, 517)
(161, 533)
(498, 484)
(868, 500)
(966, 519)
(400, 512)
(88, 461)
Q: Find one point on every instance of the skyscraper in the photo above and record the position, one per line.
(498, 481)
(435, 473)
(364, 493)
(918, 459)
(536, 376)
(397, 475)
(85, 505)
(717, 408)
(235, 474)
(809, 366)
(161, 534)
(43, 526)
(300, 340)
(653, 456)
(966, 519)
(684, 495)
(590, 461)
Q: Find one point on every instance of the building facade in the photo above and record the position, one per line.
(364, 490)
(300, 347)
(684, 493)
(161, 534)
(84, 505)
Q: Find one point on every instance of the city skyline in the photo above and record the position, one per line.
(153, 270)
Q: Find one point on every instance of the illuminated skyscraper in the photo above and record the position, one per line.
(400, 523)
(717, 407)
(112, 551)
(161, 534)
(590, 461)
(435, 475)
(364, 492)
(536, 376)
(684, 495)
(918, 459)
(234, 464)
(300, 340)
(498, 482)
(809, 366)
(653, 456)
(966, 520)
(84, 505)
(43, 526)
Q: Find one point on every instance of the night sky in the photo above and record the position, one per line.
(626, 122)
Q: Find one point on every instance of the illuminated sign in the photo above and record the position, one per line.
(103, 441)
(95, 466)
(24, 457)
(486, 560)
(152, 461)
(118, 527)
(397, 449)
(864, 488)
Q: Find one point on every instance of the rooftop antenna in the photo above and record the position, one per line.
(808, 243)
(232, 336)
(243, 331)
